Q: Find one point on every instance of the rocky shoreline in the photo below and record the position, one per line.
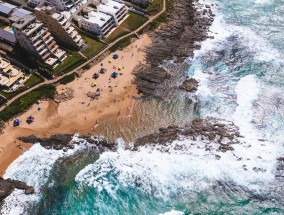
(7, 186)
(187, 26)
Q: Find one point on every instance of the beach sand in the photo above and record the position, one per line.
(80, 114)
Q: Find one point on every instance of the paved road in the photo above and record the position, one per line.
(87, 62)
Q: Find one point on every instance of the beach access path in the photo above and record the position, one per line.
(89, 61)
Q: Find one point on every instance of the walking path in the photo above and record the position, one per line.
(89, 61)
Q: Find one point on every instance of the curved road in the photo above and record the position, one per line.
(87, 62)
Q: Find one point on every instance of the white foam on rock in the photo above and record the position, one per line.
(173, 212)
(33, 167)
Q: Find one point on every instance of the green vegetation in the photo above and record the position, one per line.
(32, 81)
(2, 101)
(118, 32)
(86, 67)
(26, 101)
(93, 46)
(70, 63)
(156, 5)
(68, 79)
(134, 21)
(154, 24)
(121, 44)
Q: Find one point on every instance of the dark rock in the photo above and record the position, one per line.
(8, 186)
(189, 85)
(175, 40)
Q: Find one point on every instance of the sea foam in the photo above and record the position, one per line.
(33, 167)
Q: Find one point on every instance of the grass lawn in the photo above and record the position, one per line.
(155, 4)
(26, 101)
(118, 32)
(33, 80)
(121, 44)
(68, 79)
(71, 62)
(93, 46)
(133, 21)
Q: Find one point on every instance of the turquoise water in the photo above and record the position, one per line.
(241, 80)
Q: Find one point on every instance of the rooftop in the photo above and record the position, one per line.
(98, 18)
(7, 36)
(6, 8)
(110, 6)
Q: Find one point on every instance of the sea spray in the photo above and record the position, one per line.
(33, 167)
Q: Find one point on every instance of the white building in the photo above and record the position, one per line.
(58, 25)
(36, 40)
(102, 19)
(60, 5)
(97, 23)
(117, 9)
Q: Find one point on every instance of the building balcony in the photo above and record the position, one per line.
(54, 48)
(77, 38)
(46, 35)
(12, 71)
(52, 61)
(38, 33)
(35, 27)
(73, 34)
(70, 29)
(4, 80)
(51, 45)
(40, 47)
(48, 40)
(41, 53)
(59, 53)
(4, 63)
(46, 56)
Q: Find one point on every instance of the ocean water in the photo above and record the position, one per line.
(241, 81)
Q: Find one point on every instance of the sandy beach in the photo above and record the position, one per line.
(80, 114)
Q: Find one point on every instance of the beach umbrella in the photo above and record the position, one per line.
(119, 68)
(121, 73)
(109, 61)
(96, 75)
(114, 74)
(93, 84)
(103, 70)
(16, 122)
(115, 56)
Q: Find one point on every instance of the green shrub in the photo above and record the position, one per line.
(26, 101)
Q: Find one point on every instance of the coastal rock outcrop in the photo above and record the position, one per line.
(67, 141)
(7, 186)
(187, 25)
(224, 134)
(189, 85)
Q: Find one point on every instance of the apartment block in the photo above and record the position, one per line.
(96, 22)
(115, 8)
(37, 40)
(60, 5)
(11, 76)
(58, 25)
(102, 19)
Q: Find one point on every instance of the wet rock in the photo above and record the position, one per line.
(189, 85)
(175, 40)
(199, 129)
(65, 141)
(8, 186)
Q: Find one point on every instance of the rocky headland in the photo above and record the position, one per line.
(187, 26)
(7, 186)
